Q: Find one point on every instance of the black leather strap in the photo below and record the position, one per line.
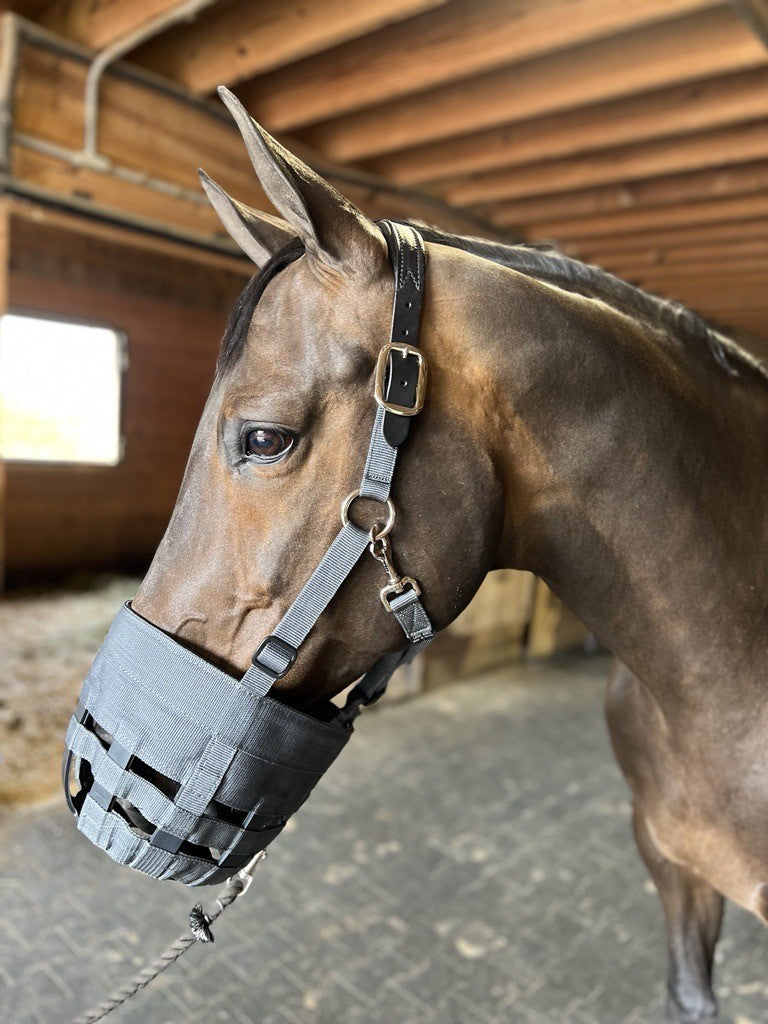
(406, 253)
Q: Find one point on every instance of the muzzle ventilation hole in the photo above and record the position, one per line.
(80, 774)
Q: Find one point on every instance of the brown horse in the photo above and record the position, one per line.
(575, 427)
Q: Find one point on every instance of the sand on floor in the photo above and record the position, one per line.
(47, 642)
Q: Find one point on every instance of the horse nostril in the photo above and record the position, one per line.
(186, 619)
(134, 817)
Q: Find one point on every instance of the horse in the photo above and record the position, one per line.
(576, 427)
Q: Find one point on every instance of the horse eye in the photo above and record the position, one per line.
(267, 444)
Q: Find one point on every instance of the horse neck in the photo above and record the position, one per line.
(630, 461)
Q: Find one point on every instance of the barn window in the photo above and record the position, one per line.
(59, 391)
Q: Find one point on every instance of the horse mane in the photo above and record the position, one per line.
(546, 263)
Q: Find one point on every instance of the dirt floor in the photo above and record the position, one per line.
(47, 642)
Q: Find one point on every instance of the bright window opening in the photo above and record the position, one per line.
(59, 391)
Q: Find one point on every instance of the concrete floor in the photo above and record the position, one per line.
(467, 861)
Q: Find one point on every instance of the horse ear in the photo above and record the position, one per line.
(332, 229)
(258, 235)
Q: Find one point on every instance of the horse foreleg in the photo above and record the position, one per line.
(694, 912)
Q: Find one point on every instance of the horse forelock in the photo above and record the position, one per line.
(236, 331)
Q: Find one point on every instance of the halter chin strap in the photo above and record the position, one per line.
(399, 391)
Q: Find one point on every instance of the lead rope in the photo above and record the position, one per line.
(200, 922)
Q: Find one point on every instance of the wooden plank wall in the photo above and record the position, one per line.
(633, 135)
(173, 310)
(145, 131)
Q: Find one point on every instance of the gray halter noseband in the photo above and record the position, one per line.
(186, 772)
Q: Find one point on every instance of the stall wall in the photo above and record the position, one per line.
(60, 518)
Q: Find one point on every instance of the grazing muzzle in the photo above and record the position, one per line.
(186, 772)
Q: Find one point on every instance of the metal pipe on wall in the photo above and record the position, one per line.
(14, 30)
(112, 53)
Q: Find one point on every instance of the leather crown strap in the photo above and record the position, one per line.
(400, 384)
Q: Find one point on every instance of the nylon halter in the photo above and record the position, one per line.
(399, 390)
(235, 762)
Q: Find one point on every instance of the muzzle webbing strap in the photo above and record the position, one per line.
(187, 772)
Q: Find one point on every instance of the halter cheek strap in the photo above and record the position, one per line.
(399, 391)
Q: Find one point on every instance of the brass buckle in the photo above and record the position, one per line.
(381, 376)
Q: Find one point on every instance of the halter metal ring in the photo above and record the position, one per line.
(376, 532)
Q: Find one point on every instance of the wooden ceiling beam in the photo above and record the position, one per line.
(98, 23)
(708, 103)
(755, 13)
(696, 46)
(645, 260)
(158, 135)
(32, 9)
(726, 270)
(140, 128)
(598, 250)
(121, 235)
(731, 208)
(463, 39)
(738, 180)
(626, 163)
(236, 40)
(712, 295)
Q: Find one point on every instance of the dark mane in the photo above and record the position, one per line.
(545, 264)
(236, 332)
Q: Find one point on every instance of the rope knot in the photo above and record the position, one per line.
(200, 924)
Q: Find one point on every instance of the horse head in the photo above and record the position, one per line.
(283, 440)
(205, 720)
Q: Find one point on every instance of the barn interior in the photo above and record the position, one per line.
(633, 136)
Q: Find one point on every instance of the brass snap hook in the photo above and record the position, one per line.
(396, 584)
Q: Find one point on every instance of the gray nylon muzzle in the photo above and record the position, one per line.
(186, 772)
(165, 733)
